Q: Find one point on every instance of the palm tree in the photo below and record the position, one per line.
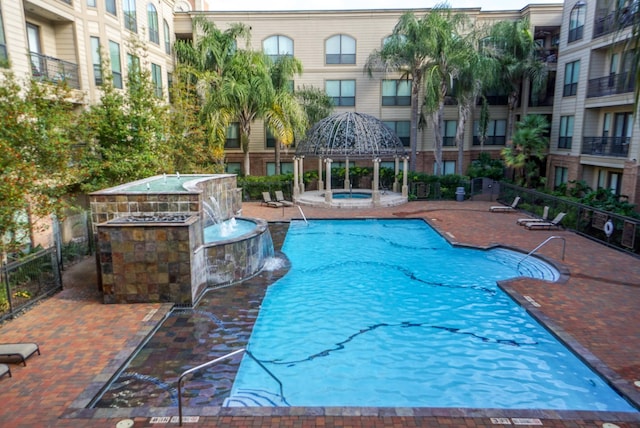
(511, 45)
(530, 145)
(286, 118)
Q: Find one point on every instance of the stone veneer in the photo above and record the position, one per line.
(143, 257)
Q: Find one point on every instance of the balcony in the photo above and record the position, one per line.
(617, 147)
(611, 85)
(615, 21)
(54, 70)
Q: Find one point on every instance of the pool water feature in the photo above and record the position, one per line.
(351, 195)
(228, 229)
(394, 316)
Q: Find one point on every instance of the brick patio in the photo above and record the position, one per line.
(84, 342)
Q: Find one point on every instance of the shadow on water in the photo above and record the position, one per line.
(221, 323)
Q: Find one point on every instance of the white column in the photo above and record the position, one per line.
(296, 191)
(405, 173)
(396, 171)
(320, 181)
(376, 183)
(301, 174)
(327, 192)
(347, 181)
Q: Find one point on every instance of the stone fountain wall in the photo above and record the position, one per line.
(165, 261)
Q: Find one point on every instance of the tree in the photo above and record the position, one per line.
(203, 63)
(126, 133)
(316, 104)
(286, 118)
(513, 49)
(530, 145)
(36, 154)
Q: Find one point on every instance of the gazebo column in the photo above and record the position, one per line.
(375, 194)
(347, 181)
(327, 192)
(301, 174)
(320, 181)
(405, 188)
(396, 171)
(295, 190)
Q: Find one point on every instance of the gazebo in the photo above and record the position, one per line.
(348, 136)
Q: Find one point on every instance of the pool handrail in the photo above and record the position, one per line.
(216, 361)
(564, 244)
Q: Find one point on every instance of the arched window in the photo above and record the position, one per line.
(340, 49)
(152, 16)
(576, 21)
(277, 46)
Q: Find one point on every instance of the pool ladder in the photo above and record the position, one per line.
(214, 362)
(564, 244)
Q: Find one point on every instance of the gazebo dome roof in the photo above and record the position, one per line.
(351, 135)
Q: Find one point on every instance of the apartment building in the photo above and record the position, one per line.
(593, 134)
(333, 47)
(595, 137)
(55, 40)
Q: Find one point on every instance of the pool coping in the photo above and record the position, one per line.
(79, 410)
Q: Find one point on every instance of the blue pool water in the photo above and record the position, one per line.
(351, 195)
(386, 313)
(228, 229)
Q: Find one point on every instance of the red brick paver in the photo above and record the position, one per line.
(83, 341)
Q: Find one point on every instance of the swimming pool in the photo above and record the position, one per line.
(386, 313)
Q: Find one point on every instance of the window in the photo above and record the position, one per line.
(277, 46)
(285, 168)
(396, 92)
(561, 173)
(167, 36)
(116, 65)
(343, 92)
(571, 75)
(133, 69)
(340, 49)
(449, 133)
(402, 128)
(496, 133)
(566, 132)
(96, 60)
(170, 86)
(156, 78)
(154, 30)
(37, 60)
(448, 167)
(91, 3)
(129, 11)
(233, 137)
(270, 141)
(232, 168)
(4, 56)
(110, 5)
(576, 21)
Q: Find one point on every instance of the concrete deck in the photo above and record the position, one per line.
(84, 342)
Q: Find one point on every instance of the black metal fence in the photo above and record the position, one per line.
(28, 280)
(608, 228)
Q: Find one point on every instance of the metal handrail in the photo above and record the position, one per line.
(195, 369)
(303, 216)
(216, 361)
(564, 244)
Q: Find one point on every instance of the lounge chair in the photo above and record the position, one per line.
(280, 198)
(266, 200)
(546, 225)
(18, 352)
(4, 369)
(506, 208)
(545, 217)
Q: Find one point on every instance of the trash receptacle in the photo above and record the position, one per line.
(460, 194)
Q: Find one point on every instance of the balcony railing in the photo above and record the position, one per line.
(606, 146)
(610, 85)
(54, 70)
(615, 21)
